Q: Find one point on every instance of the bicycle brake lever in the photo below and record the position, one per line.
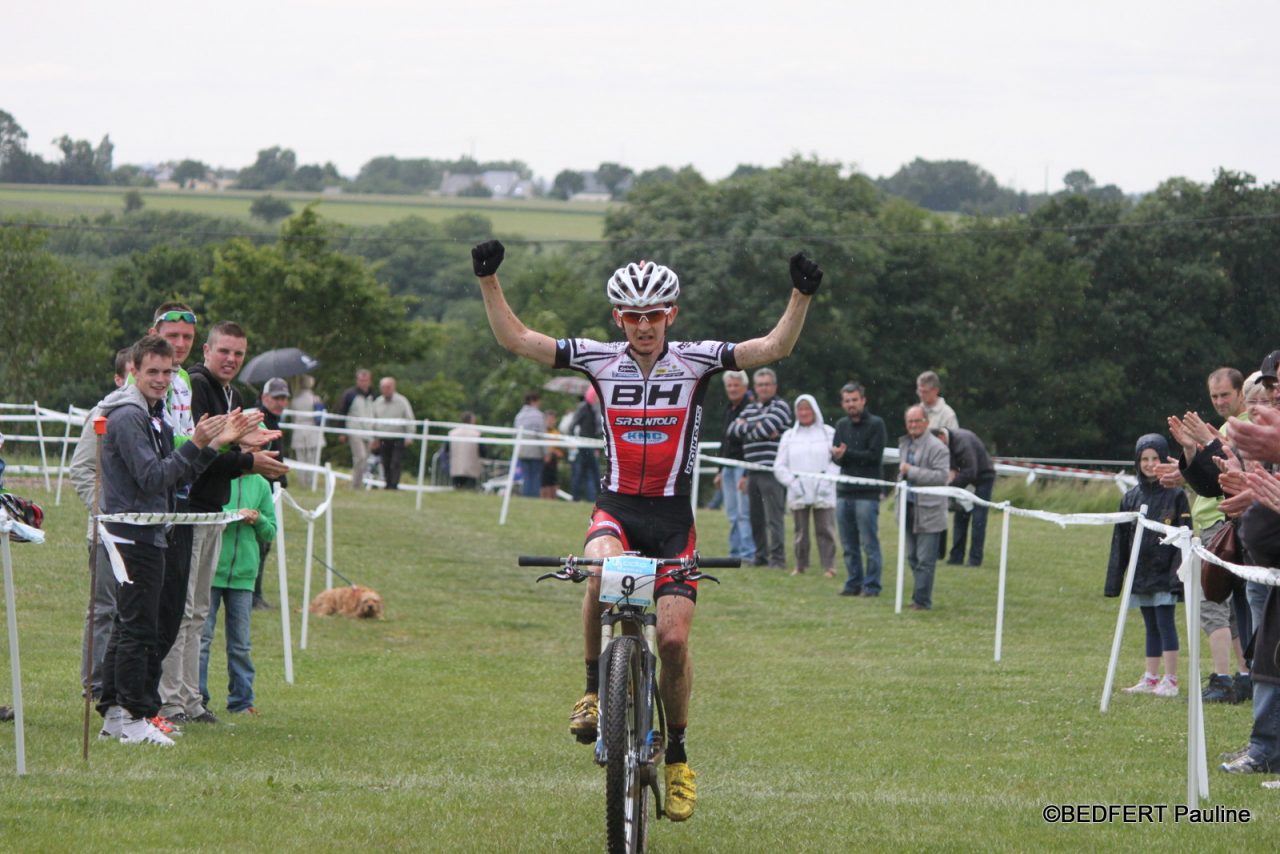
(548, 575)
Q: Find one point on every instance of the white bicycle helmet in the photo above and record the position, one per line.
(645, 283)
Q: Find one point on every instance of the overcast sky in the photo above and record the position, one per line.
(1132, 92)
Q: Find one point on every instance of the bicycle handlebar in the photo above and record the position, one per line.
(696, 561)
(538, 560)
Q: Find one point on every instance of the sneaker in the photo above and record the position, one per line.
(205, 717)
(586, 715)
(166, 726)
(1168, 687)
(6, 713)
(260, 604)
(857, 591)
(870, 594)
(828, 573)
(1233, 755)
(142, 731)
(112, 721)
(1219, 690)
(682, 793)
(1243, 685)
(1146, 685)
(1244, 764)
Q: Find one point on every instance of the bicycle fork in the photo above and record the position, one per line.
(647, 697)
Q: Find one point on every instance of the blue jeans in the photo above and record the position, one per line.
(859, 523)
(922, 555)
(738, 508)
(531, 477)
(1264, 740)
(239, 663)
(586, 475)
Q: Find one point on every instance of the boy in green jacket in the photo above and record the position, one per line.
(233, 587)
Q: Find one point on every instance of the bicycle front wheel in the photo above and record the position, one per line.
(626, 797)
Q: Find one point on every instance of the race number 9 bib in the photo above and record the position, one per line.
(628, 580)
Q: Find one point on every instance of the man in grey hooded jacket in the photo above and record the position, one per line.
(140, 470)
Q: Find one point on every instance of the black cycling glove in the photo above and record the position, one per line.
(805, 274)
(487, 257)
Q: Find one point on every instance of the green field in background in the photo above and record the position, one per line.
(541, 219)
(818, 724)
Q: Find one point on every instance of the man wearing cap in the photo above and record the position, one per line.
(273, 402)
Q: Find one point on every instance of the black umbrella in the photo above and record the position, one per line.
(285, 362)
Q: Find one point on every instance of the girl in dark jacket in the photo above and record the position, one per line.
(1156, 588)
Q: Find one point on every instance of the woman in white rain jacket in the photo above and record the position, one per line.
(804, 450)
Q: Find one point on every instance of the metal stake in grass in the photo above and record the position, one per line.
(100, 430)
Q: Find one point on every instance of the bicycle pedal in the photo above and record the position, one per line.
(584, 737)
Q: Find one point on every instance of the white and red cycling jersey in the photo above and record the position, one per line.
(651, 423)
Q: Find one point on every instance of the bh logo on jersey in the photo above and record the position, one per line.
(633, 394)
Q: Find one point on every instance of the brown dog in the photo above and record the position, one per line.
(354, 601)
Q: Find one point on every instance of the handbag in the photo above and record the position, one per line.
(1217, 581)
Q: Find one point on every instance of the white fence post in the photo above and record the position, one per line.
(330, 491)
(902, 542)
(44, 459)
(422, 461)
(1124, 608)
(286, 631)
(62, 463)
(1004, 571)
(511, 476)
(15, 664)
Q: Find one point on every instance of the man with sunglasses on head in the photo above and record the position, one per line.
(650, 391)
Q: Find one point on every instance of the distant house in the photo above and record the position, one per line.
(594, 191)
(501, 184)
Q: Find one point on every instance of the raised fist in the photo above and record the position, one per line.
(487, 257)
(805, 274)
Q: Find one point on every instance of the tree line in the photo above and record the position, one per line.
(1068, 331)
(938, 185)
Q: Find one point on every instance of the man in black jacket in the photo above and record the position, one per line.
(212, 394)
(970, 466)
(858, 448)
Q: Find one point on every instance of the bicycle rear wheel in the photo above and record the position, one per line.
(626, 797)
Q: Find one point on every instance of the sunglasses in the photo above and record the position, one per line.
(175, 316)
(653, 315)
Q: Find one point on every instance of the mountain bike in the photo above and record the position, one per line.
(632, 728)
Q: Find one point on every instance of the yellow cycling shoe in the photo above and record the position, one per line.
(583, 721)
(682, 793)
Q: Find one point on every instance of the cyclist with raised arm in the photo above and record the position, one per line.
(650, 392)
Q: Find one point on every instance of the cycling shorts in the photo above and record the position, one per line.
(659, 526)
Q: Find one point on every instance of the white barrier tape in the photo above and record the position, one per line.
(1257, 574)
(309, 515)
(26, 533)
(170, 518)
(110, 541)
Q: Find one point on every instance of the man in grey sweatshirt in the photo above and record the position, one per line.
(140, 470)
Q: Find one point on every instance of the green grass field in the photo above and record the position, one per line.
(541, 219)
(819, 723)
